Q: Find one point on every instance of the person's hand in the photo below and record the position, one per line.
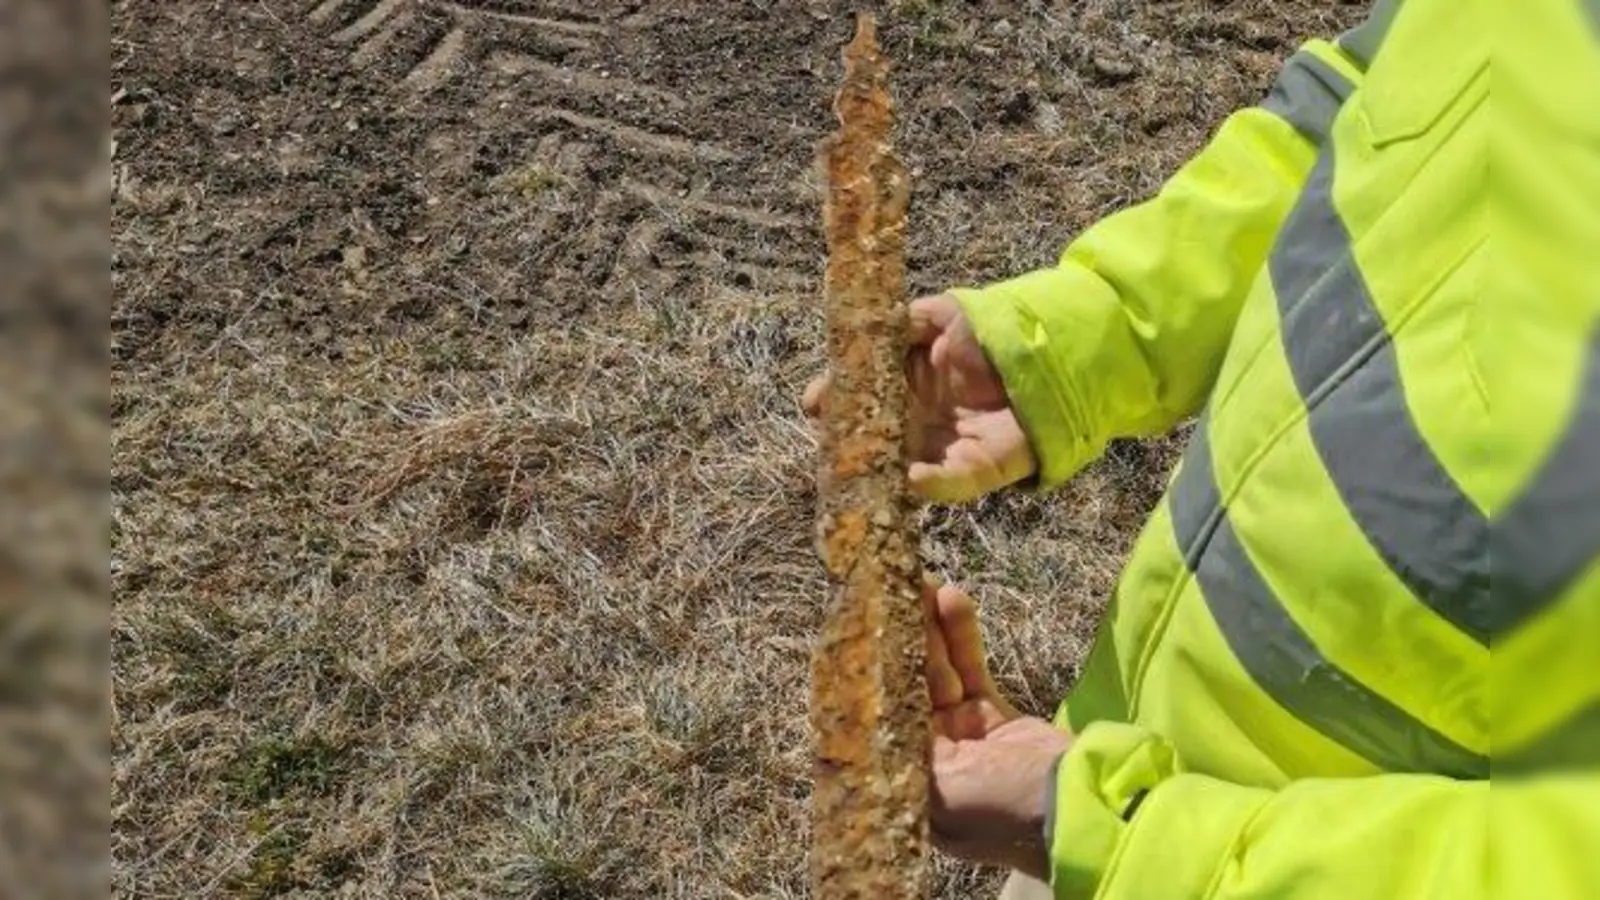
(990, 762)
(968, 440)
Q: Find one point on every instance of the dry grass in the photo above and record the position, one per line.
(452, 609)
(547, 647)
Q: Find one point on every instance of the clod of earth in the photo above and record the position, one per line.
(869, 706)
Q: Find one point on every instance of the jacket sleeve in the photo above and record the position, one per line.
(1125, 336)
(1129, 823)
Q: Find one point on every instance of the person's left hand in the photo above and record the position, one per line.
(990, 762)
(966, 439)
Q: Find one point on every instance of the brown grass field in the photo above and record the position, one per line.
(462, 506)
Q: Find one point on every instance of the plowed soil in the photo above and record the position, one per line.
(462, 538)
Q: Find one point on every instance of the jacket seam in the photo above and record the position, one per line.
(1235, 847)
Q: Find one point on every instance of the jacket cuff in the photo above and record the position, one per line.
(1019, 343)
(1129, 823)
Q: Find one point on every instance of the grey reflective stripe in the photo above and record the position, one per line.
(1412, 511)
(1278, 655)
(1484, 577)
(1362, 42)
(1574, 744)
(1196, 504)
(1593, 6)
(1308, 93)
(1550, 534)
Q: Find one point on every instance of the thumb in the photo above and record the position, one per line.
(944, 482)
(816, 395)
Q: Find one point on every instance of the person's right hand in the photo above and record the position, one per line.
(968, 441)
(991, 763)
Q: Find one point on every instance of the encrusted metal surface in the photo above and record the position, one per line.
(869, 703)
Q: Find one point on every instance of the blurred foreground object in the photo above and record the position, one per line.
(54, 449)
(869, 704)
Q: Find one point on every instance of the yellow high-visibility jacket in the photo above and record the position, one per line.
(1356, 653)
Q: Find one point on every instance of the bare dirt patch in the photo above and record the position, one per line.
(462, 530)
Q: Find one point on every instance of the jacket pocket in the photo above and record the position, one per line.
(1435, 58)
